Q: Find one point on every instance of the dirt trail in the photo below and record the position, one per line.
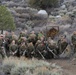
(67, 65)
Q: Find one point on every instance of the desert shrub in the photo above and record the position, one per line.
(7, 66)
(16, 66)
(42, 71)
(44, 3)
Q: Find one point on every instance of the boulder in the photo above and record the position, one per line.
(63, 6)
(42, 12)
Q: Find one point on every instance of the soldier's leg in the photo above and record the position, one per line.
(75, 48)
(2, 55)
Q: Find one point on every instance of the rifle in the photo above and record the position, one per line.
(52, 52)
(72, 52)
(13, 53)
(4, 52)
(41, 54)
(24, 53)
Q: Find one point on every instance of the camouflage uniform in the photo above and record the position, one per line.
(9, 37)
(23, 49)
(40, 34)
(26, 34)
(14, 37)
(1, 42)
(22, 34)
(6, 45)
(13, 49)
(32, 38)
(21, 40)
(30, 49)
(40, 49)
(62, 44)
(2, 52)
(2, 49)
(73, 38)
(53, 47)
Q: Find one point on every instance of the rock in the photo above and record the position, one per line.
(42, 12)
(63, 6)
(58, 16)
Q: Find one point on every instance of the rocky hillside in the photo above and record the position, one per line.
(28, 17)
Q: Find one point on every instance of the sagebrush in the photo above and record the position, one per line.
(16, 66)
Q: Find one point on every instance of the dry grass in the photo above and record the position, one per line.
(23, 66)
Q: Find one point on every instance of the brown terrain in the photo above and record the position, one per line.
(69, 66)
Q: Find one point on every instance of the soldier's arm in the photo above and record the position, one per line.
(16, 49)
(10, 49)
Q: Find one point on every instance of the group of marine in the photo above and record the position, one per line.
(33, 45)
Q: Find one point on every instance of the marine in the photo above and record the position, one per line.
(62, 44)
(30, 49)
(32, 38)
(13, 48)
(23, 49)
(73, 39)
(40, 48)
(2, 48)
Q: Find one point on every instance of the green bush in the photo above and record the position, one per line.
(44, 3)
(6, 19)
